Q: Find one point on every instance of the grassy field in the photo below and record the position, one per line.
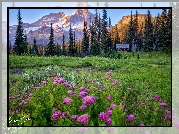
(90, 91)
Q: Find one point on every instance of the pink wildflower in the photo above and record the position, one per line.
(84, 119)
(88, 100)
(67, 100)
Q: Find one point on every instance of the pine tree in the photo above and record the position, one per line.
(156, 32)
(104, 31)
(63, 45)
(136, 30)
(148, 33)
(169, 31)
(117, 39)
(58, 50)
(85, 42)
(130, 34)
(19, 40)
(99, 30)
(70, 48)
(35, 48)
(25, 46)
(51, 45)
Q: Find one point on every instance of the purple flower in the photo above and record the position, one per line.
(84, 119)
(67, 100)
(64, 114)
(88, 100)
(141, 124)
(113, 106)
(115, 81)
(84, 89)
(108, 121)
(30, 95)
(157, 97)
(45, 82)
(74, 117)
(112, 84)
(60, 80)
(162, 104)
(11, 97)
(109, 113)
(71, 92)
(120, 85)
(56, 115)
(147, 99)
(82, 94)
(54, 83)
(167, 112)
(102, 116)
(130, 118)
(168, 118)
(109, 74)
(129, 89)
(66, 85)
(83, 108)
(52, 75)
(108, 98)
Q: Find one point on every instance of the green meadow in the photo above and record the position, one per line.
(130, 91)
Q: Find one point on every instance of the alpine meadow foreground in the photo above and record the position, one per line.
(90, 91)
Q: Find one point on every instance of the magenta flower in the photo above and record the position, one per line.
(11, 97)
(129, 89)
(112, 84)
(84, 119)
(113, 106)
(157, 97)
(74, 117)
(82, 94)
(102, 116)
(147, 99)
(120, 85)
(67, 100)
(108, 98)
(45, 82)
(30, 94)
(115, 81)
(130, 118)
(109, 74)
(168, 118)
(88, 100)
(66, 85)
(141, 124)
(109, 113)
(108, 121)
(71, 92)
(138, 104)
(162, 104)
(64, 114)
(60, 80)
(84, 89)
(83, 108)
(56, 115)
(54, 83)
(167, 112)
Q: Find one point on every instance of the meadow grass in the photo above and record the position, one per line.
(131, 88)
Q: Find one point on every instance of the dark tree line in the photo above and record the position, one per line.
(99, 40)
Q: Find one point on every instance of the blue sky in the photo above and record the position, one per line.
(32, 15)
